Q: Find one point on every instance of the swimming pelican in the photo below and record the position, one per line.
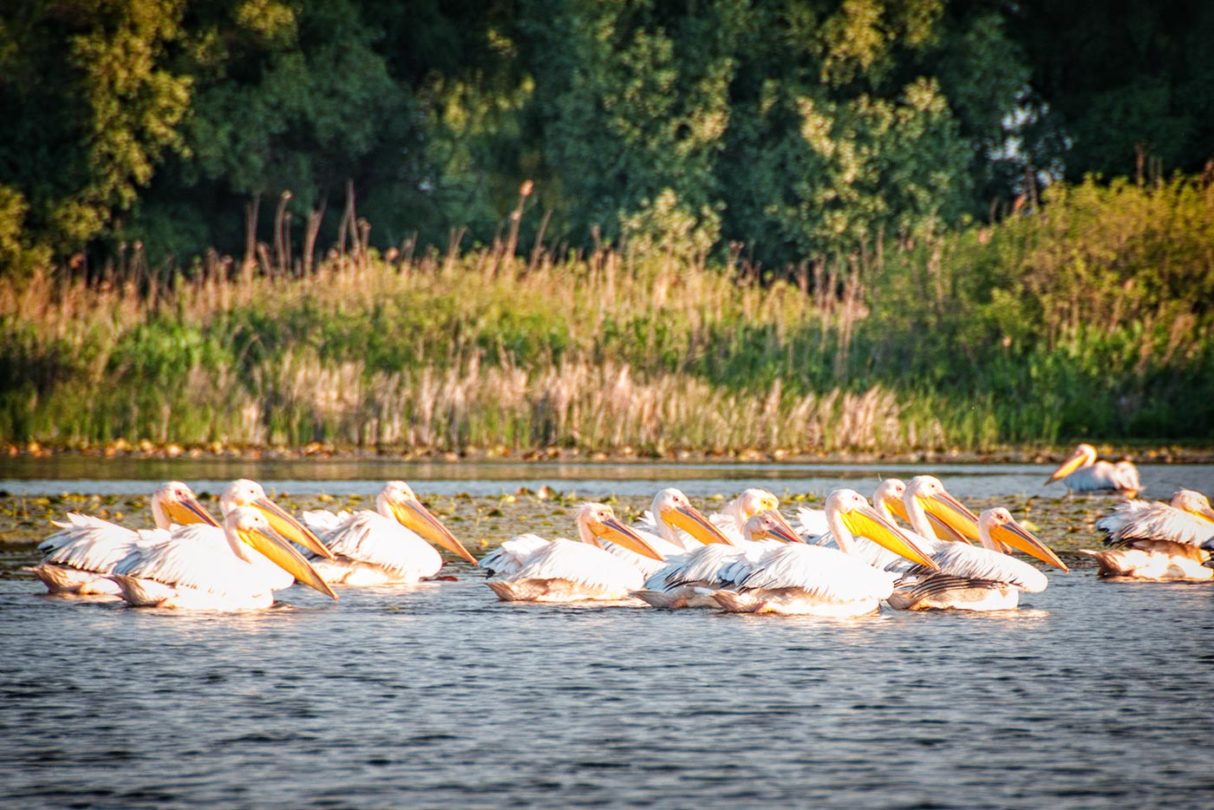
(236, 567)
(1081, 472)
(730, 520)
(689, 581)
(1162, 542)
(967, 577)
(77, 559)
(391, 544)
(243, 492)
(680, 529)
(799, 579)
(568, 571)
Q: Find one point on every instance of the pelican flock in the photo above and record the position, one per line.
(914, 548)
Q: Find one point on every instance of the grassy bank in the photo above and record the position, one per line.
(1091, 317)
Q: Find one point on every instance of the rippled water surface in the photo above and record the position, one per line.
(1093, 694)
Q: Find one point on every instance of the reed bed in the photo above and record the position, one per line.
(1061, 323)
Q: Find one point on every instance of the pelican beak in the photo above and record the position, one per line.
(615, 531)
(896, 506)
(189, 511)
(867, 522)
(278, 550)
(417, 518)
(1014, 535)
(690, 520)
(952, 514)
(1073, 462)
(1205, 512)
(781, 530)
(289, 527)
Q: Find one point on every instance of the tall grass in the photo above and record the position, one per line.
(1091, 317)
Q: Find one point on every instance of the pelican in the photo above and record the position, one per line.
(1081, 472)
(243, 492)
(391, 544)
(967, 577)
(1161, 542)
(799, 579)
(77, 559)
(568, 571)
(236, 567)
(688, 582)
(681, 529)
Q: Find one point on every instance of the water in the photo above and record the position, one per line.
(27, 476)
(1093, 694)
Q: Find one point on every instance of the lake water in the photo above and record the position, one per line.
(1093, 694)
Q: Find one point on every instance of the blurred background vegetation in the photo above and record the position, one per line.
(711, 224)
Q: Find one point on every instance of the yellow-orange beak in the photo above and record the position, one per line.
(1072, 463)
(778, 529)
(615, 531)
(278, 550)
(188, 511)
(287, 526)
(417, 518)
(690, 520)
(867, 522)
(952, 514)
(1021, 539)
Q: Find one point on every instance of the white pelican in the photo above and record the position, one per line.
(1158, 541)
(967, 577)
(77, 559)
(568, 571)
(689, 581)
(680, 529)
(384, 546)
(236, 567)
(1081, 472)
(243, 492)
(800, 579)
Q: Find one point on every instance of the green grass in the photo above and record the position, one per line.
(1089, 318)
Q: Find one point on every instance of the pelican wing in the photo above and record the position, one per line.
(822, 573)
(509, 558)
(582, 564)
(811, 523)
(1161, 521)
(968, 562)
(198, 556)
(728, 525)
(323, 522)
(1111, 523)
(369, 537)
(700, 566)
(91, 544)
(647, 566)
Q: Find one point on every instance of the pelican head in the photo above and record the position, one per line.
(750, 503)
(1194, 503)
(770, 525)
(999, 526)
(670, 506)
(175, 502)
(243, 492)
(397, 500)
(849, 515)
(889, 494)
(942, 509)
(597, 524)
(1084, 456)
(248, 528)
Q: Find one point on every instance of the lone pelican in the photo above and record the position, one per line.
(800, 579)
(1161, 542)
(236, 567)
(79, 558)
(391, 544)
(1081, 472)
(568, 571)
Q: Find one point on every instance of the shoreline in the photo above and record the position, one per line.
(1180, 453)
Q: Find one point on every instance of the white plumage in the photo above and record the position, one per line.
(1082, 472)
(1166, 542)
(377, 548)
(78, 558)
